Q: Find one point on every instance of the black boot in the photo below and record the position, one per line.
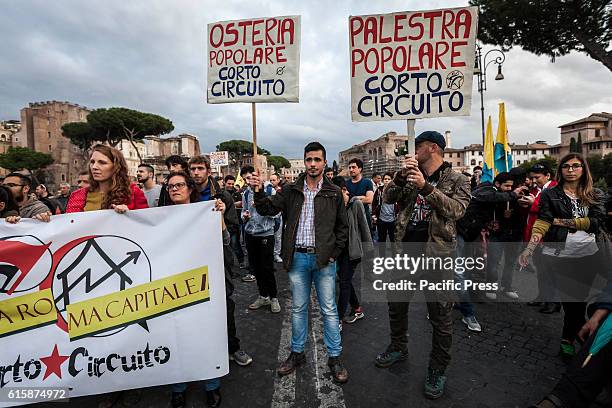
(550, 308)
(213, 398)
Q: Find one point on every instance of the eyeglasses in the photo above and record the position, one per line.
(574, 166)
(10, 185)
(177, 186)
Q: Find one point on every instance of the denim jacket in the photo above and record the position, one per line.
(257, 225)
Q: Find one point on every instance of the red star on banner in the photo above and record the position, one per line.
(53, 363)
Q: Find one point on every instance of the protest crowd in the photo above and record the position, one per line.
(320, 227)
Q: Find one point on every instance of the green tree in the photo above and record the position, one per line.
(601, 168)
(240, 147)
(115, 124)
(551, 162)
(548, 27)
(22, 158)
(81, 135)
(579, 144)
(278, 162)
(573, 145)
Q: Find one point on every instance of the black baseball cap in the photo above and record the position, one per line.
(431, 136)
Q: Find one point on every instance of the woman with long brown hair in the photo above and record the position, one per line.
(110, 185)
(571, 223)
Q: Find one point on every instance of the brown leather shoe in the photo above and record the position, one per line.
(293, 361)
(339, 373)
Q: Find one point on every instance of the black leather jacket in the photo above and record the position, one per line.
(554, 203)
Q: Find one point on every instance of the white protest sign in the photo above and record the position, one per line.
(99, 301)
(254, 60)
(413, 64)
(219, 158)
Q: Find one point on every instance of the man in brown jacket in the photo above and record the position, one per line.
(431, 197)
(314, 235)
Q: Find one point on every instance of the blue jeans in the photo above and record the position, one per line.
(303, 273)
(210, 385)
(465, 305)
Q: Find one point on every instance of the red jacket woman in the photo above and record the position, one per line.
(78, 199)
(110, 185)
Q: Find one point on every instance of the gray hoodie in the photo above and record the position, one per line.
(360, 239)
(31, 208)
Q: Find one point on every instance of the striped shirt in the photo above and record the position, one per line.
(306, 229)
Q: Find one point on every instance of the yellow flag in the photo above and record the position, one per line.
(489, 149)
(239, 181)
(502, 128)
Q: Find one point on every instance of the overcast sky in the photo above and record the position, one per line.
(150, 56)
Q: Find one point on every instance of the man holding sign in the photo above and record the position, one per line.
(432, 197)
(311, 245)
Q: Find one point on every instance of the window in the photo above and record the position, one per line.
(16, 139)
(473, 162)
(75, 162)
(597, 132)
(480, 153)
(63, 177)
(518, 162)
(533, 152)
(49, 135)
(50, 148)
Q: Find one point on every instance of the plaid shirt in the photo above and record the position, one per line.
(306, 230)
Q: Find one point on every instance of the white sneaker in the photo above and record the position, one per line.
(278, 259)
(511, 294)
(491, 295)
(260, 302)
(274, 305)
(472, 324)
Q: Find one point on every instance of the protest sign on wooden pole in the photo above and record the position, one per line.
(254, 60)
(412, 65)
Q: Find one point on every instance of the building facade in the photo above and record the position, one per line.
(41, 130)
(594, 132)
(292, 173)
(157, 149)
(378, 155)
(7, 131)
(464, 160)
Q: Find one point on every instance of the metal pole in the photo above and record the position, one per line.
(482, 120)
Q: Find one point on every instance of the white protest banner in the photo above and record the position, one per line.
(99, 301)
(219, 158)
(413, 64)
(255, 60)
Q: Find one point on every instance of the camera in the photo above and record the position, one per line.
(401, 150)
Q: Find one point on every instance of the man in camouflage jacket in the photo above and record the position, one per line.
(431, 197)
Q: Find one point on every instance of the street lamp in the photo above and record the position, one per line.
(480, 69)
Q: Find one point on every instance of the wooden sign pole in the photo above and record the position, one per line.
(254, 119)
(411, 135)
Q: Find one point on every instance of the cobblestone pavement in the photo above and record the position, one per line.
(512, 363)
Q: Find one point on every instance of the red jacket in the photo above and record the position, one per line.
(78, 198)
(533, 212)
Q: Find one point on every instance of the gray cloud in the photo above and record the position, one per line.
(151, 56)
